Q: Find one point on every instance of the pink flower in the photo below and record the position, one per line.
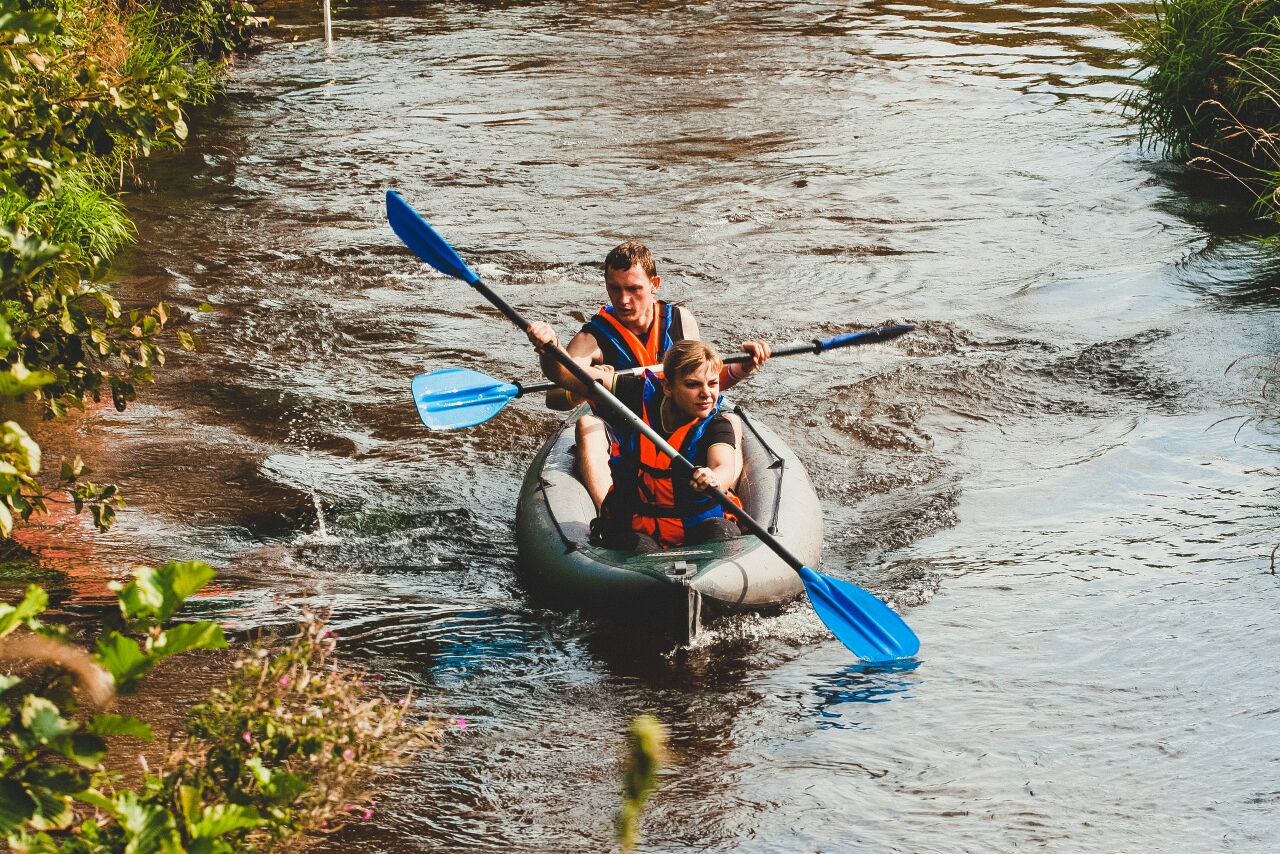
(284, 680)
(377, 677)
(348, 755)
(460, 723)
(368, 814)
(248, 739)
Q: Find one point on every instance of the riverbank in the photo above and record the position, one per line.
(1210, 96)
(87, 89)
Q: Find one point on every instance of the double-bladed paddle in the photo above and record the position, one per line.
(868, 627)
(452, 398)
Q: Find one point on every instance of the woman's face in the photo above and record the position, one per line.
(695, 393)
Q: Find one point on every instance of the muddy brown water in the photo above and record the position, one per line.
(1056, 477)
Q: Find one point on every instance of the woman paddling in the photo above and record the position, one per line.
(648, 508)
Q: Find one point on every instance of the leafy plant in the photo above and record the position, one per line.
(294, 737)
(284, 749)
(85, 89)
(51, 755)
(647, 751)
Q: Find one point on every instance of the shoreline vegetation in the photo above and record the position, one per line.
(87, 88)
(1211, 98)
(284, 750)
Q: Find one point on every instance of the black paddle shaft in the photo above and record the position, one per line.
(817, 345)
(681, 465)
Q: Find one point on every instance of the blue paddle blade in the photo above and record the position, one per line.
(868, 627)
(457, 397)
(420, 237)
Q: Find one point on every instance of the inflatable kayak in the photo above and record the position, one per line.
(675, 590)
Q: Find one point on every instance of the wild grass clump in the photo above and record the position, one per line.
(90, 221)
(1212, 97)
(296, 738)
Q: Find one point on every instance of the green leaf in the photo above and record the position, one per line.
(123, 659)
(24, 612)
(260, 772)
(149, 828)
(16, 440)
(32, 605)
(58, 779)
(16, 807)
(155, 594)
(120, 725)
(6, 521)
(7, 681)
(224, 818)
(6, 338)
(283, 787)
(180, 638)
(186, 339)
(44, 721)
(19, 380)
(204, 308)
(86, 749)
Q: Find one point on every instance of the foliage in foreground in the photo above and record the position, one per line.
(281, 751)
(1212, 95)
(647, 751)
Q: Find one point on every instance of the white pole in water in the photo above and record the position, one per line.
(328, 24)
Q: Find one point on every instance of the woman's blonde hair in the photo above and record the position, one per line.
(685, 357)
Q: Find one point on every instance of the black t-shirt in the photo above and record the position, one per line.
(629, 388)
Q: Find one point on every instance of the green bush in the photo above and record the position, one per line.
(282, 751)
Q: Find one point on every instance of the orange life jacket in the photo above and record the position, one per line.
(662, 504)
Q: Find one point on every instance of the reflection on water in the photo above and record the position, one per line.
(857, 684)
(1037, 476)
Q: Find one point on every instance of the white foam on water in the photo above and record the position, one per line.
(796, 624)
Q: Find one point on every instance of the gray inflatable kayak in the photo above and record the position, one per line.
(678, 589)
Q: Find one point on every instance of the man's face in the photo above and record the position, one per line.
(695, 393)
(632, 294)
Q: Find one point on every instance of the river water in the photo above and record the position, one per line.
(1056, 478)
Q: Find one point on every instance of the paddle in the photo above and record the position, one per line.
(868, 627)
(452, 398)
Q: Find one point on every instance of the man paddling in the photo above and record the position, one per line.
(649, 506)
(635, 330)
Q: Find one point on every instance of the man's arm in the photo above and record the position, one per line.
(544, 339)
(585, 351)
(688, 325)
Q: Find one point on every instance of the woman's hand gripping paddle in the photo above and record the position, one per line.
(452, 398)
(868, 627)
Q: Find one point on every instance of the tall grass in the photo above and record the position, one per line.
(1212, 97)
(81, 213)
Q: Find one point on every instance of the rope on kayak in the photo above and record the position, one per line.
(779, 465)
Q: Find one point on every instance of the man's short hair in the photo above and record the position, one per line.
(626, 255)
(685, 357)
